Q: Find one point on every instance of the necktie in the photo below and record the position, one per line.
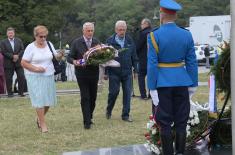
(12, 44)
(88, 43)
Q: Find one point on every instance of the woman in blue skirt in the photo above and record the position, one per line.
(39, 73)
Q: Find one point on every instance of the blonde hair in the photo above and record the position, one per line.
(40, 28)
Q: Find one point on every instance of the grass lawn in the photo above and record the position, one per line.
(204, 77)
(20, 135)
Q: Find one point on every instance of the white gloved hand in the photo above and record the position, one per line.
(154, 96)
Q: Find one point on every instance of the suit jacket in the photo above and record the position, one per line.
(127, 59)
(77, 51)
(8, 52)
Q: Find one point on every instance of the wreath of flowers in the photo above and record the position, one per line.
(195, 125)
(100, 54)
(221, 69)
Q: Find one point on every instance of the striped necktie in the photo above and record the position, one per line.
(88, 43)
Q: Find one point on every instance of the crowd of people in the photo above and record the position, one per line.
(164, 55)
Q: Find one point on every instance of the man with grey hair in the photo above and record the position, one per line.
(87, 76)
(141, 49)
(123, 74)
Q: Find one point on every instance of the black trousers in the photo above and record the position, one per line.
(88, 93)
(9, 72)
(63, 73)
(141, 81)
(174, 106)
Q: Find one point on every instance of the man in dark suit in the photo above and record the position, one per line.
(141, 50)
(12, 50)
(87, 75)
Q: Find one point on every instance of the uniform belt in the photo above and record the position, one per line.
(175, 64)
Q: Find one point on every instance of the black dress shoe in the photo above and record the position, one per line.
(22, 95)
(108, 116)
(144, 98)
(128, 119)
(10, 95)
(87, 126)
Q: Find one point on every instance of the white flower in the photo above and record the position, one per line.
(155, 149)
(196, 120)
(151, 123)
(148, 126)
(187, 127)
(188, 133)
(147, 146)
(191, 114)
(195, 113)
(154, 131)
(192, 122)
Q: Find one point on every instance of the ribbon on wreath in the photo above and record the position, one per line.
(212, 97)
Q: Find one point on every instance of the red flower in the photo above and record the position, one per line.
(148, 137)
(159, 142)
(147, 134)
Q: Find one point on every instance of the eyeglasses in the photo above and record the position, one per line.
(42, 37)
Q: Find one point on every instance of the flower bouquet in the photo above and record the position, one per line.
(101, 54)
(153, 137)
(196, 123)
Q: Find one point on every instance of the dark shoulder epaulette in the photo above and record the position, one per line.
(184, 28)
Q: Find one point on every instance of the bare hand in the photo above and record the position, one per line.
(135, 75)
(40, 69)
(106, 77)
(15, 58)
(60, 54)
(76, 63)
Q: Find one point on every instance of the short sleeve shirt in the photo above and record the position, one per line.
(39, 57)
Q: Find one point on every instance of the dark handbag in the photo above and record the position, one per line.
(57, 65)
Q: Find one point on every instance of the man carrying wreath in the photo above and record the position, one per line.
(123, 74)
(87, 75)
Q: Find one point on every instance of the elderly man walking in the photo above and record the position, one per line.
(87, 76)
(123, 74)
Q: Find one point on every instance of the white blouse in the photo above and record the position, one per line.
(39, 57)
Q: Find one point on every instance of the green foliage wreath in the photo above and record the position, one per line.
(221, 69)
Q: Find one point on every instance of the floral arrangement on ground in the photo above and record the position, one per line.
(196, 124)
(221, 69)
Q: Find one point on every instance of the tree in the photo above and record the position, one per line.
(68, 16)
